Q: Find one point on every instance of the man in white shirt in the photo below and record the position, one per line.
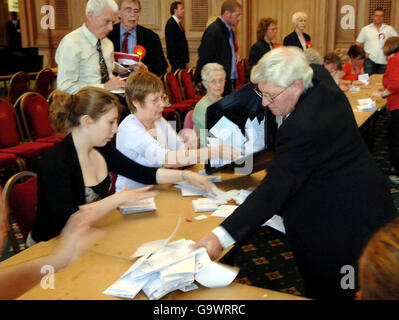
(85, 57)
(372, 37)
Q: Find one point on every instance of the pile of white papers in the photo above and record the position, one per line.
(226, 132)
(366, 104)
(165, 267)
(139, 206)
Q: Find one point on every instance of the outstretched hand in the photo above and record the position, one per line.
(212, 245)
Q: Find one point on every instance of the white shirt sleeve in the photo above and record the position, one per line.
(361, 37)
(223, 236)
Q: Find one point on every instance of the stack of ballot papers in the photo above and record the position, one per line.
(366, 104)
(207, 205)
(139, 206)
(364, 78)
(172, 267)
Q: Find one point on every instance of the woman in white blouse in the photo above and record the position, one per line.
(147, 138)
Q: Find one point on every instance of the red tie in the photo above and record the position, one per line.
(124, 44)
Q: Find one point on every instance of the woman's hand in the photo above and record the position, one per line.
(198, 180)
(128, 197)
(226, 152)
(75, 238)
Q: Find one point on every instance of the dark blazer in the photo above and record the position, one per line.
(176, 45)
(293, 40)
(256, 52)
(61, 187)
(326, 186)
(14, 34)
(154, 59)
(215, 47)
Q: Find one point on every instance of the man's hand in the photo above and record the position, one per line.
(114, 84)
(212, 245)
(138, 66)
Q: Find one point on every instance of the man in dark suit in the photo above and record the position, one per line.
(323, 181)
(218, 44)
(176, 42)
(128, 33)
(13, 28)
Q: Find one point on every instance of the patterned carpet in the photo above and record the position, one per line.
(267, 261)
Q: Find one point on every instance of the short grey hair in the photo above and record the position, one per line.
(211, 68)
(297, 15)
(313, 56)
(282, 67)
(97, 6)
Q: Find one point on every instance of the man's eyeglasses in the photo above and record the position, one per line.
(268, 96)
(130, 11)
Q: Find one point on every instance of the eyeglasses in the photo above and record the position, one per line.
(213, 82)
(164, 99)
(130, 11)
(267, 96)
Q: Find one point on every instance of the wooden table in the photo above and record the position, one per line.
(366, 91)
(106, 260)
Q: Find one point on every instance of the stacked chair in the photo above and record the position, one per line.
(34, 111)
(20, 195)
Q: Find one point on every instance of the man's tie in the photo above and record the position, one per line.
(234, 74)
(103, 66)
(125, 48)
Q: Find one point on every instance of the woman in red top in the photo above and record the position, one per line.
(391, 92)
(354, 67)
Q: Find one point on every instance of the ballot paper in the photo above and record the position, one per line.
(275, 222)
(366, 104)
(207, 205)
(354, 89)
(144, 205)
(174, 266)
(227, 133)
(118, 91)
(255, 133)
(224, 211)
(211, 178)
(364, 78)
(188, 190)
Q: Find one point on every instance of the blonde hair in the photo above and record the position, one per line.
(297, 15)
(66, 109)
(139, 85)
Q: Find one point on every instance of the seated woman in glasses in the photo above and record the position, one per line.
(213, 78)
(147, 138)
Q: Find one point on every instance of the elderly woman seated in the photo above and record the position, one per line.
(147, 138)
(213, 78)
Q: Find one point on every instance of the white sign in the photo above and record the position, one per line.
(13, 6)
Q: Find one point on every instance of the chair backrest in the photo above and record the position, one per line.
(177, 72)
(44, 82)
(191, 72)
(9, 124)
(188, 120)
(187, 84)
(172, 84)
(19, 84)
(241, 73)
(35, 115)
(20, 194)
